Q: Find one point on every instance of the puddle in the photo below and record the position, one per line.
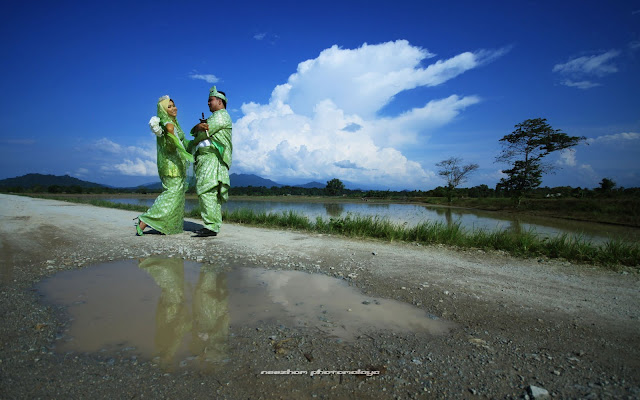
(171, 309)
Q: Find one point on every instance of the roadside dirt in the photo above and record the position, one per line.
(572, 330)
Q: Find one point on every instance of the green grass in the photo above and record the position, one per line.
(611, 254)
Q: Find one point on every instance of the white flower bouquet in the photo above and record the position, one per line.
(154, 124)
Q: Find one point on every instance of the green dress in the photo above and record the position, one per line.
(212, 169)
(167, 213)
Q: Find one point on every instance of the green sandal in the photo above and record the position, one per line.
(138, 229)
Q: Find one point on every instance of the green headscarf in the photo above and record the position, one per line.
(165, 118)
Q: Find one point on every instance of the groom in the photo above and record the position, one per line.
(212, 152)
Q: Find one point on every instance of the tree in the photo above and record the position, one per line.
(334, 187)
(606, 185)
(454, 173)
(524, 149)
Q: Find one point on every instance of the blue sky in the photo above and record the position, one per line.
(374, 93)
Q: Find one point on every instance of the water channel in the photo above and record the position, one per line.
(413, 214)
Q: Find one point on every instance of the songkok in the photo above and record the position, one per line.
(214, 93)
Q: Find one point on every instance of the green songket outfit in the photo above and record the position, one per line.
(166, 215)
(212, 151)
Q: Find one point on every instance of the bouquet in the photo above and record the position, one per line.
(154, 124)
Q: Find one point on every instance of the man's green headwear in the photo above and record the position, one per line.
(214, 93)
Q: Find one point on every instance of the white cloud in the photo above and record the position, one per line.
(107, 146)
(597, 65)
(126, 160)
(361, 81)
(210, 78)
(577, 69)
(137, 167)
(259, 36)
(324, 123)
(615, 138)
(568, 157)
(580, 84)
(81, 172)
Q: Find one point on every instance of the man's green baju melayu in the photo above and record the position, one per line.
(212, 169)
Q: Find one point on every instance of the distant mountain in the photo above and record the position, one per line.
(30, 180)
(152, 185)
(243, 180)
(313, 185)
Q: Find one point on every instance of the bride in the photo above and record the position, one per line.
(167, 213)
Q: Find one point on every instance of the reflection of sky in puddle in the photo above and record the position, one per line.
(179, 310)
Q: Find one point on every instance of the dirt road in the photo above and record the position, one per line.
(572, 330)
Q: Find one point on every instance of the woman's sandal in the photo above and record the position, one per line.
(138, 229)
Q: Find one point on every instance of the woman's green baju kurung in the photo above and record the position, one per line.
(167, 213)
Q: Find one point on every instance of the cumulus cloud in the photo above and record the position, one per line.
(568, 157)
(127, 160)
(615, 138)
(210, 78)
(352, 127)
(346, 164)
(362, 81)
(137, 167)
(324, 121)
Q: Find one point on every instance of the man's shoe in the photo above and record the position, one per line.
(204, 232)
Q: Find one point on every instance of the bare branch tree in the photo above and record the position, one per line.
(454, 173)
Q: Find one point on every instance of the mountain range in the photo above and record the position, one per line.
(30, 180)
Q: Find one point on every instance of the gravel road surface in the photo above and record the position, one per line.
(522, 328)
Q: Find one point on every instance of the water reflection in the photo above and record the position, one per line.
(334, 209)
(208, 320)
(181, 313)
(447, 214)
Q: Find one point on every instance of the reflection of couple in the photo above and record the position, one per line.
(210, 149)
(209, 320)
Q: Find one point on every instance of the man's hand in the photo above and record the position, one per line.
(201, 127)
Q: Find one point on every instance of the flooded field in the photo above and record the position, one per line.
(180, 312)
(413, 214)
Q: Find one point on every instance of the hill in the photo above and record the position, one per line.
(30, 180)
(313, 185)
(243, 180)
(237, 180)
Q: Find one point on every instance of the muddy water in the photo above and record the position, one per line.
(178, 311)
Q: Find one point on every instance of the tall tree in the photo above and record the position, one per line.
(606, 185)
(334, 187)
(524, 149)
(454, 173)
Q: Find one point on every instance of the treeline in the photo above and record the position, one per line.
(74, 189)
(480, 191)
